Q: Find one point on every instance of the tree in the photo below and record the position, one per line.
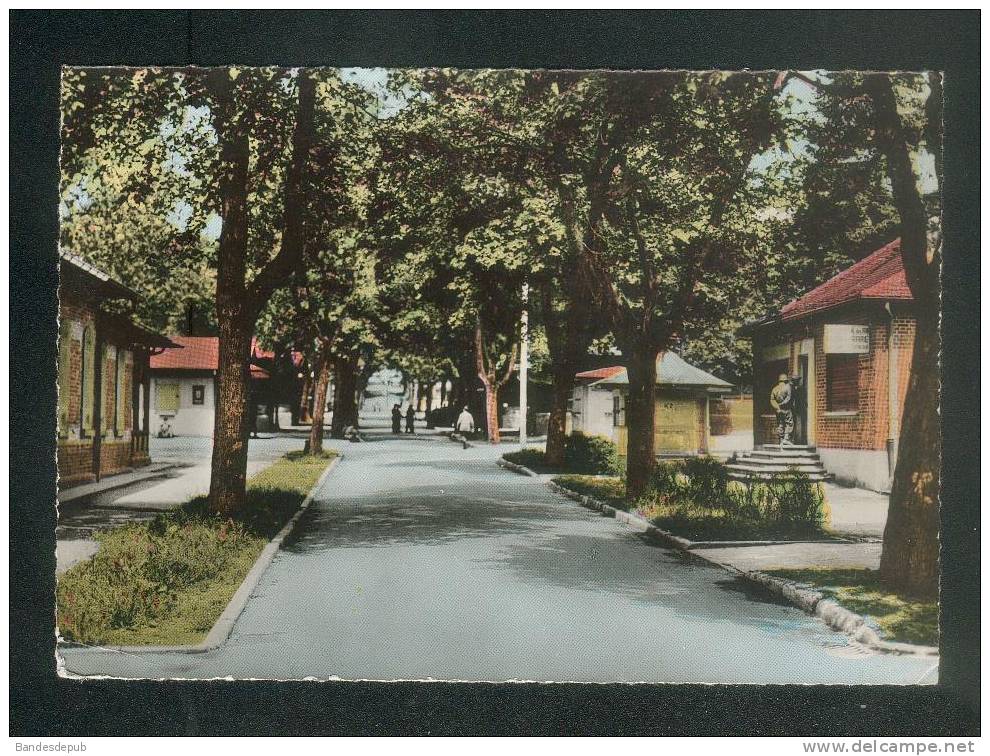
(909, 562)
(884, 126)
(236, 102)
(654, 184)
(327, 308)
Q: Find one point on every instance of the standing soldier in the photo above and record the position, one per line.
(411, 419)
(782, 402)
(396, 418)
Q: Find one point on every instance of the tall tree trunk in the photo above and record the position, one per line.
(429, 405)
(563, 386)
(319, 402)
(909, 561)
(641, 367)
(228, 475)
(238, 303)
(303, 406)
(489, 374)
(344, 395)
(491, 412)
(235, 321)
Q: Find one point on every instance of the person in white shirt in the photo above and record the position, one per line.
(464, 424)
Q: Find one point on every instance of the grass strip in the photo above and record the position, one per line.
(898, 617)
(165, 582)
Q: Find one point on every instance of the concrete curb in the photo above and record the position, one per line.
(802, 596)
(137, 475)
(225, 622)
(503, 462)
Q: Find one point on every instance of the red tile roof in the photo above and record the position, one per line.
(197, 353)
(599, 373)
(877, 276)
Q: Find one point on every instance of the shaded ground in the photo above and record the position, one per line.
(424, 560)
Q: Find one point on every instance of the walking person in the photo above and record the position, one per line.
(410, 419)
(463, 426)
(396, 419)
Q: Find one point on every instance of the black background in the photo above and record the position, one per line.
(43, 704)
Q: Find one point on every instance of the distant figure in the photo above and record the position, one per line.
(165, 429)
(782, 402)
(352, 435)
(463, 426)
(253, 419)
(396, 419)
(411, 419)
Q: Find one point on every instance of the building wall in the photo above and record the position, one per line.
(76, 414)
(857, 446)
(680, 424)
(189, 419)
(591, 410)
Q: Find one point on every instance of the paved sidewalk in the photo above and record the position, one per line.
(795, 555)
(111, 482)
(857, 511)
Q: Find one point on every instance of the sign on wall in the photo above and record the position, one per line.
(846, 339)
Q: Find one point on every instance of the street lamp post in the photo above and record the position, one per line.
(523, 365)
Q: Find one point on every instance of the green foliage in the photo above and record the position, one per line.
(595, 455)
(787, 500)
(707, 481)
(612, 491)
(138, 583)
(531, 458)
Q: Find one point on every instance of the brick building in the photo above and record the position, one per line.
(102, 377)
(849, 344)
(183, 384)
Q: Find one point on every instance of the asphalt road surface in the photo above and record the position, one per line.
(421, 560)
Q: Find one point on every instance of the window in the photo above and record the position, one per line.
(64, 366)
(120, 405)
(108, 398)
(88, 378)
(842, 382)
(618, 409)
(167, 399)
(198, 393)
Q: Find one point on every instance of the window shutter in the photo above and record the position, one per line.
(842, 377)
(88, 378)
(64, 382)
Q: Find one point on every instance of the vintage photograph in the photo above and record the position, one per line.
(499, 375)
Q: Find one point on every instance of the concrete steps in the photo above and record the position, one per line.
(772, 459)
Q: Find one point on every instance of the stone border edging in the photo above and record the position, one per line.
(503, 462)
(813, 602)
(225, 622)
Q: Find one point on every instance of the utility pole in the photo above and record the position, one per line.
(523, 365)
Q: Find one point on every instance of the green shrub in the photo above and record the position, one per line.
(667, 479)
(708, 481)
(787, 499)
(139, 571)
(610, 490)
(531, 458)
(592, 455)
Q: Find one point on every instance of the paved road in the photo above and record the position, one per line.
(422, 560)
